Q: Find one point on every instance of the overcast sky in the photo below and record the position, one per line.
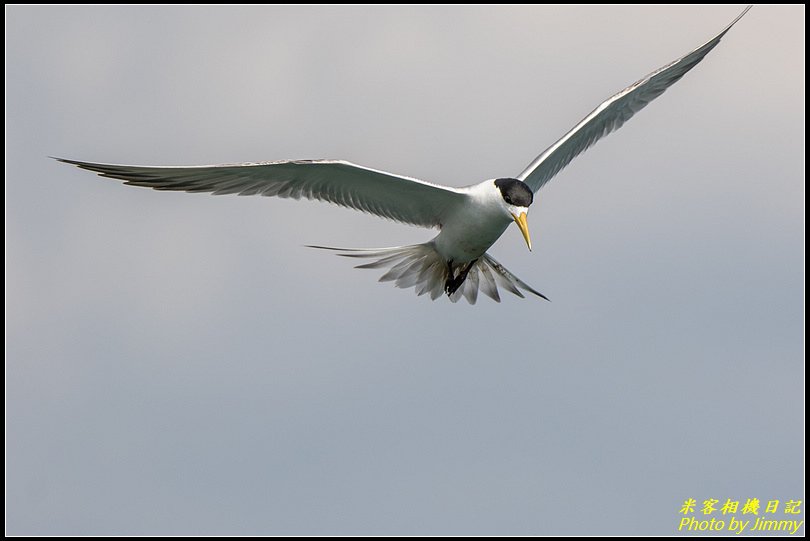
(180, 363)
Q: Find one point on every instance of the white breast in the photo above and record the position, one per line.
(474, 227)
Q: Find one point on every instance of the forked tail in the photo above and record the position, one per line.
(421, 267)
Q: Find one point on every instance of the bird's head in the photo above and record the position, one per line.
(517, 197)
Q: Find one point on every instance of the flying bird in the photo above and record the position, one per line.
(469, 219)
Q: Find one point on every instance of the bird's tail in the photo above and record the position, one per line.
(420, 266)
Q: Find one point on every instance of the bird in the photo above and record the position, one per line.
(470, 219)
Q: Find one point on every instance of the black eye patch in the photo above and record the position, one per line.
(515, 192)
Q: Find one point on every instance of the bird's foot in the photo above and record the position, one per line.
(453, 283)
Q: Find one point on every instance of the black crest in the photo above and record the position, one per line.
(515, 192)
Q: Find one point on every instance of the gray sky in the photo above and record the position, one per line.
(181, 364)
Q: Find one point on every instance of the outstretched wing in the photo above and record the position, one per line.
(613, 113)
(390, 196)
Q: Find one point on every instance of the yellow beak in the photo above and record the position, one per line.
(524, 228)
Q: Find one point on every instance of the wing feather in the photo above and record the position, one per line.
(613, 113)
(395, 197)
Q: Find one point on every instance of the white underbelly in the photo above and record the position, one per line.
(462, 241)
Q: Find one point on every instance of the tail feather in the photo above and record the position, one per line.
(471, 288)
(420, 266)
(488, 284)
(511, 279)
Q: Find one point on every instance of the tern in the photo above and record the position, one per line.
(469, 219)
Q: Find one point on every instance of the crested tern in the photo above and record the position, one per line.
(469, 219)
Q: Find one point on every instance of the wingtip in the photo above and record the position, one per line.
(323, 247)
(737, 18)
(67, 161)
(747, 8)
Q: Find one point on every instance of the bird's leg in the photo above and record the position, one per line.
(450, 284)
(453, 283)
